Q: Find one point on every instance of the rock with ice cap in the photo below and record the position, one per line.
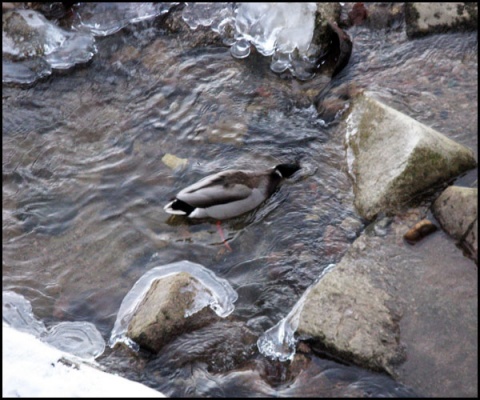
(169, 300)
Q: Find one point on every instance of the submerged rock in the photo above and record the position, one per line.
(456, 209)
(375, 16)
(338, 51)
(331, 47)
(174, 162)
(393, 159)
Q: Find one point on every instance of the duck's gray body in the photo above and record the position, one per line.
(228, 194)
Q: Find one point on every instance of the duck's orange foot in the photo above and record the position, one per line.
(222, 236)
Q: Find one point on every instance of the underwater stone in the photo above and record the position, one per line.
(173, 162)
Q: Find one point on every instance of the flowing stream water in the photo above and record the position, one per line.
(85, 179)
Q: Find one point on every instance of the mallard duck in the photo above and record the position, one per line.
(230, 193)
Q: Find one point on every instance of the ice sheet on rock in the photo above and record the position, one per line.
(218, 295)
(203, 298)
(278, 342)
(283, 31)
(276, 27)
(215, 15)
(33, 45)
(81, 339)
(102, 19)
(25, 72)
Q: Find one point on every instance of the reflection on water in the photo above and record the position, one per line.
(84, 188)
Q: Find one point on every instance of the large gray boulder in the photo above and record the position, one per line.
(456, 209)
(353, 316)
(410, 311)
(393, 159)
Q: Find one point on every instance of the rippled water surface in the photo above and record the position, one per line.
(85, 179)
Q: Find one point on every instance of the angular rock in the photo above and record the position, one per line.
(162, 314)
(386, 300)
(350, 315)
(393, 159)
(456, 209)
(425, 18)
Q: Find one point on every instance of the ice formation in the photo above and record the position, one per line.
(276, 27)
(282, 31)
(219, 296)
(278, 342)
(103, 19)
(32, 46)
(81, 339)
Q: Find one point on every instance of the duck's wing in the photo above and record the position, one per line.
(224, 187)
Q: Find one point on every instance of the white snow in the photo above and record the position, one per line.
(32, 368)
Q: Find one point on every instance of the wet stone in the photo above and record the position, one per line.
(394, 160)
(223, 345)
(161, 316)
(457, 211)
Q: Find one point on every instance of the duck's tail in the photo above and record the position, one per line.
(287, 170)
(178, 207)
